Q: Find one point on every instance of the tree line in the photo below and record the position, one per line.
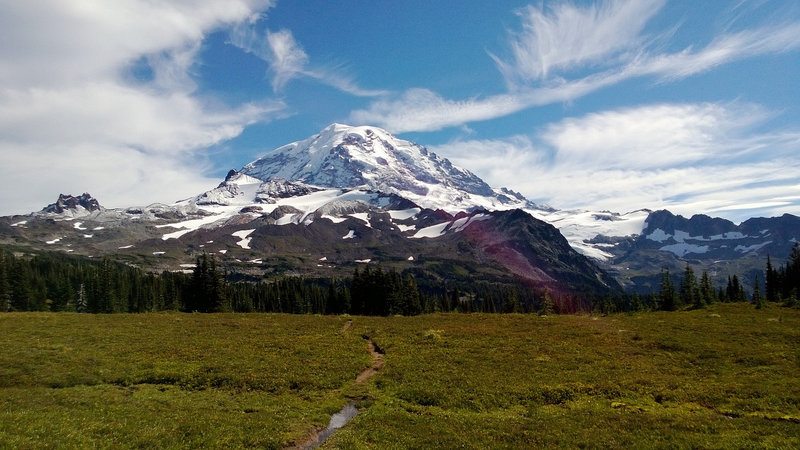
(781, 285)
(57, 282)
(50, 281)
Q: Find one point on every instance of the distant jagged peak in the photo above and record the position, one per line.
(71, 205)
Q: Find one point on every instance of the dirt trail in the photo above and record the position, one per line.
(377, 362)
(319, 435)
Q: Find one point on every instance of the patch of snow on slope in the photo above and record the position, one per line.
(288, 219)
(404, 214)
(364, 217)
(682, 249)
(245, 240)
(461, 224)
(190, 225)
(23, 222)
(334, 219)
(53, 241)
(731, 235)
(350, 235)
(751, 248)
(658, 235)
(77, 226)
(431, 231)
(124, 247)
(590, 251)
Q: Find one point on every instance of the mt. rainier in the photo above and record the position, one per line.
(370, 158)
(350, 195)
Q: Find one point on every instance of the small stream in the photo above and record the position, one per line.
(338, 420)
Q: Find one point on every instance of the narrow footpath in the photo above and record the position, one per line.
(340, 419)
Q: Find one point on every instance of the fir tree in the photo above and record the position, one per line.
(80, 302)
(668, 298)
(707, 293)
(771, 282)
(411, 292)
(548, 306)
(635, 304)
(759, 301)
(689, 292)
(511, 302)
(5, 287)
(20, 284)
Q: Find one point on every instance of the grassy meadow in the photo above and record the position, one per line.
(723, 377)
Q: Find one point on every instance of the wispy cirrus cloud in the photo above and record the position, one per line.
(604, 40)
(287, 60)
(566, 36)
(689, 158)
(74, 118)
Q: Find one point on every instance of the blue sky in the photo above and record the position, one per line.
(610, 105)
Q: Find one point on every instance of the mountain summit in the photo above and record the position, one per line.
(344, 157)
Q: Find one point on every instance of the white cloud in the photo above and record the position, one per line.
(722, 50)
(564, 40)
(287, 60)
(566, 36)
(73, 118)
(424, 110)
(689, 158)
(65, 42)
(665, 135)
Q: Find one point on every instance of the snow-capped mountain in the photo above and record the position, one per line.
(370, 158)
(353, 195)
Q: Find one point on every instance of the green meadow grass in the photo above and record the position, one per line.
(723, 377)
(171, 380)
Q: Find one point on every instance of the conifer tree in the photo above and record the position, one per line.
(5, 287)
(333, 305)
(668, 298)
(707, 293)
(635, 304)
(411, 292)
(511, 302)
(80, 302)
(736, 293)
(20, 283)
(689, 292)
(759, 301)
(548, 306)
(771, 282)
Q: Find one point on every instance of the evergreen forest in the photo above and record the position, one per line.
(56, 282)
